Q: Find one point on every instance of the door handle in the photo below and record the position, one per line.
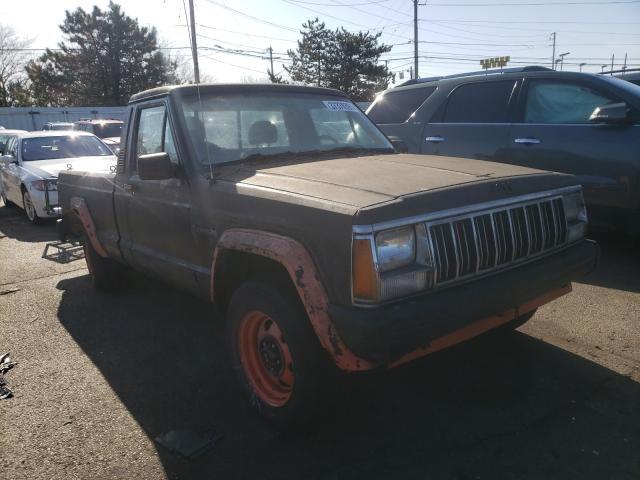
(527, 141)
(435, 139)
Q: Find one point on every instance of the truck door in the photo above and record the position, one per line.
(553, 132)
(156, 232)
(473, 122)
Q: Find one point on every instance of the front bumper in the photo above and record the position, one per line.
(386, 333)
(45, 202)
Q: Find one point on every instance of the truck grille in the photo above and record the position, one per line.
(480, 242)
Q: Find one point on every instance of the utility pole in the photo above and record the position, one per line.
(553, 54)
(194, 44)
(624, 67)
(318, 72)
(271, 59)
(415, 36)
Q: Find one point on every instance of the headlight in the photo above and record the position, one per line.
(575, 211)
(41, 185)
(402, 266)
(395, 248)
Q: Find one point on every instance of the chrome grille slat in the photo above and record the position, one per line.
(483, 241)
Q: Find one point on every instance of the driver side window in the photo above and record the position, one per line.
(154, 134)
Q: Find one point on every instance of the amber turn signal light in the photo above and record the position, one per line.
(364, 278)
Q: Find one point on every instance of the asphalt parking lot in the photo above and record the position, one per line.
(100, 376)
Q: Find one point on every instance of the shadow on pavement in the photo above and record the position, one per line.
(619, 264)
(14, 224)
(496, 407)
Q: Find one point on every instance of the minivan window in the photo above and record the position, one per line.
(562, 102)
(398, 106)
(486, 102)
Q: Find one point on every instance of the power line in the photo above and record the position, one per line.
(341, 4)
(533, 4)
(257, 19)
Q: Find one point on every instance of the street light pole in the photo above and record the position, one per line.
(562, 55)
(553, 53)
(582, 65)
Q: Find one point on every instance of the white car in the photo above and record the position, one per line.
(31, 162)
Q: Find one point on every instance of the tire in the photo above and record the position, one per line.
(106, 273)
(30, 209)
(276, 355)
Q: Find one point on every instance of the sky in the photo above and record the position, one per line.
(453, 34)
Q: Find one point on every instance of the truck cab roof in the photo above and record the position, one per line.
(223, 88)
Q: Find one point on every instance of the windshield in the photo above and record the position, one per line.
(233, 127)
(61, 126)
(626, 85)
(71, 146)
(106, 130)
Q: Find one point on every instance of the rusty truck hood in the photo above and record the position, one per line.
(365, 181)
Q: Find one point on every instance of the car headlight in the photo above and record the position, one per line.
(394, 263)
(575, 211)
(395, 248)
(42, 185)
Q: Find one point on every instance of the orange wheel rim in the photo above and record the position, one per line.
(266, 358)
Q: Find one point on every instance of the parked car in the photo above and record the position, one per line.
(578, 123)
(326, 249)
(30, 165)
(6, 135)
(57, 126)
(108, 130)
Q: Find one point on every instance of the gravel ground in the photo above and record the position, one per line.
(100, 376)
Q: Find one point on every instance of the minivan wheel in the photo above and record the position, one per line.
(105, 273)
(274, 351)
(30, 209)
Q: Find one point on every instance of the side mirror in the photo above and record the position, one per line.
(613, 113)
(7, 160)
(155, 166)
(399, 145)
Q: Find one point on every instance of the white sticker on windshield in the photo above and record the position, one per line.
(338, 106)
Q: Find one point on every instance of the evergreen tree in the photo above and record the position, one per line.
(105, 59)
(339, 59)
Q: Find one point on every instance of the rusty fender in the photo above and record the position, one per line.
(298, 263)
(81, 210)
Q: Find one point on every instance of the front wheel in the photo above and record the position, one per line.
(30, 209)
(278, 359)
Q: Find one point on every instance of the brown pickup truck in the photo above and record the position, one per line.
(324, 247)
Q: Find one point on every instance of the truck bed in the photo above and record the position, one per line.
(97, 190)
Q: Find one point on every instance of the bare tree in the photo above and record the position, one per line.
(13, 58)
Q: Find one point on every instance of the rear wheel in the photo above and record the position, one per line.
(30, 209)
(105, 273)
(277, 357)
